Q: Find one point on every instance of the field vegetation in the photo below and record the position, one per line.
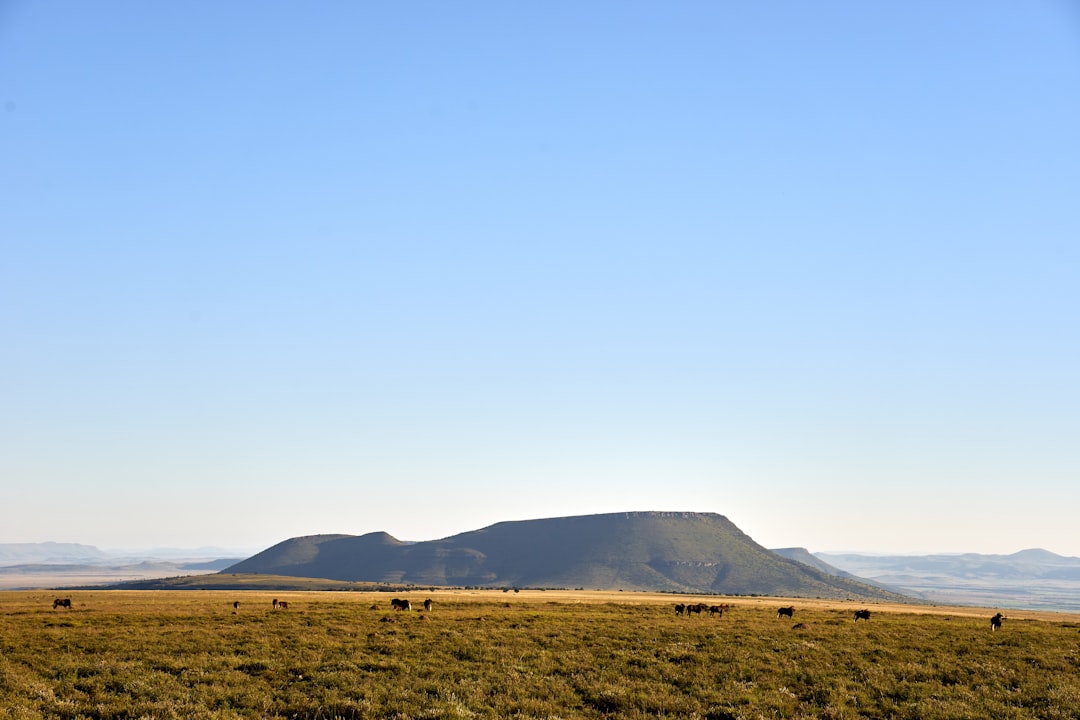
(190, 654)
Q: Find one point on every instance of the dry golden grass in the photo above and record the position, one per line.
(533, 654)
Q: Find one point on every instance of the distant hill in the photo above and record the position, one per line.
(1033, 564)
(39, 575)
(1034, 578)
(52, 564)
(806, 557)
(49, 552)
(656, 551)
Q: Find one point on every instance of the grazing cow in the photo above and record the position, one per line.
(398, 604)
(680, 608)
(280, 604)
(427, 605)
(697, 608)
(995, 622)
(717, 610)
(66, 603)
(785, 612)
(862, 615)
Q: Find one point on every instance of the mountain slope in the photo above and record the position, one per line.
(665, 551)
(806, 557)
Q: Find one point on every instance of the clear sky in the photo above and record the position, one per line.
(271, 269)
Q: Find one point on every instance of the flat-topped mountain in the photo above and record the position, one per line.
(657, 551)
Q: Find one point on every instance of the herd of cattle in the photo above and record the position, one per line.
(698, 608)
(680, 609)
(789, 612)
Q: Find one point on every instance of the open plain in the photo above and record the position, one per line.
(528, 654)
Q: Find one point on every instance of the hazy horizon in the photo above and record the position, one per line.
(254, 549)
(242, 551)
(272, 271)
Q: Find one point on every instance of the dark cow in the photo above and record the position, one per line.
(236, 605)
(680, 608)
(717, 610)
(995, 622)
(862, 615)
(280, 604)
(398, 604)
(697, 608)
(785, 612)
(275, 603)
(427, 605)
(65, 603)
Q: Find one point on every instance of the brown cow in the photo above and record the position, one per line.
(717, 610)
(66, 603)
(862, 615)
(398, 604)
(697, 608)
(785, 612)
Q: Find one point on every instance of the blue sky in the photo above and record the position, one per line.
(271, 271)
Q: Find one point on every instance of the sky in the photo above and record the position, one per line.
(271, 270)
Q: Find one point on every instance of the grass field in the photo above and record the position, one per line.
(188, 654)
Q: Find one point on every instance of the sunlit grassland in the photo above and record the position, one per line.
(187, 654)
